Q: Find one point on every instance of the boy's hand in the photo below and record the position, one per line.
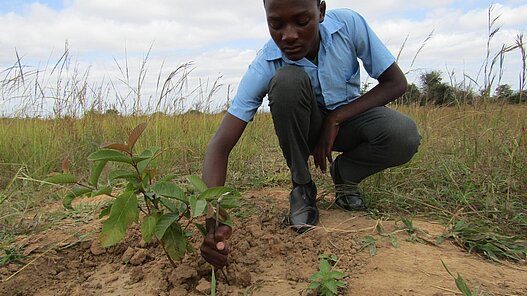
(214, 248)
(322, 151)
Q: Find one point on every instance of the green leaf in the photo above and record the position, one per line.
(324, 266)
(124, 212)
(121, 174)
(462, 286)
(316, 277)
(198, 184)
(230, 202)
(174, 206)
(96, 171)
(61, 179)
(169, 190)
(201, 228)
(227, 220)
(76, 192)
(197, 206)
(168, 178)
(313, 286)
(102, 191)
(148, 226)
(213, 284)
(369, 241)
(212, 194)
(332, 286)
(110, 155)
(335, 274)
(105, 211)
(149, 154)
(137, 159)
(393, 241)
(175, 242)
(135, 134)
(164, 223)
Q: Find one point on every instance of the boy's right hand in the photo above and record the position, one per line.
(214, 248)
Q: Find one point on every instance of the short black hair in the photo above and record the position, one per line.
(318, 2)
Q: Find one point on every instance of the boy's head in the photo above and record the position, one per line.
(294, 26)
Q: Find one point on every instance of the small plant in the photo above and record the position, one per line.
(327, 281)
(11, 255)
(481, 240)
(368, 242)
(415, 234)
(462, 285)
(168, 209)
(391, 236)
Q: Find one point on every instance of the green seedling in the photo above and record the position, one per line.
(11, 255)
(168, 209)
(391, 236)
(415, 234)
(327, 281)
(462, 285)
(368, 242)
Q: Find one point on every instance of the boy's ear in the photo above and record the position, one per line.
(322, 9)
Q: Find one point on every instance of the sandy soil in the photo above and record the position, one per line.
(267, 259)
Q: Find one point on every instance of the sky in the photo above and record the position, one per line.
(221, 38)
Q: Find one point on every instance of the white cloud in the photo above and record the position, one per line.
(222, 37)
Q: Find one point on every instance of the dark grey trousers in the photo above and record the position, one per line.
(370, 142)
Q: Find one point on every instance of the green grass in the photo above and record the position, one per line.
(470, 166)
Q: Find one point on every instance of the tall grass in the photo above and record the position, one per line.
(471, 164)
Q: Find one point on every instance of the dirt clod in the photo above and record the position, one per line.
(139, 257)
(203, 286)
(96, 248)
(136, 275)
(128, 254)
(244, 277)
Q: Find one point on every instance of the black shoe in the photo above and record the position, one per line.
(347, 195)
(303, 212)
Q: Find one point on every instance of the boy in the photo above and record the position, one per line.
(310, 73)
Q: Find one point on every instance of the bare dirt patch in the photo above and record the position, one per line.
(267, 259)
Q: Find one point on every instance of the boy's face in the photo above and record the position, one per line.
(294, 26)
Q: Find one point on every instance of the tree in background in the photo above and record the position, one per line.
(504, 93)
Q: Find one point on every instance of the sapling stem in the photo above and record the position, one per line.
(217, 224)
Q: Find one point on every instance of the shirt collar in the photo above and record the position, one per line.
(328, 27)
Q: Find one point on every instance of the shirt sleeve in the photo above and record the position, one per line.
(375, 56)
(251, 91)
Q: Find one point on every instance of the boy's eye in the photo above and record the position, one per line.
(303, 21)
(274, 25)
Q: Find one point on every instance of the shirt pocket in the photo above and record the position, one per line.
(353, 84)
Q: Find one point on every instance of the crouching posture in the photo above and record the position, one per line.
(311, 75)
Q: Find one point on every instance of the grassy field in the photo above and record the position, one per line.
(470, 166)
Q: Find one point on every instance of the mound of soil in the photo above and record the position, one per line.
(267, 258)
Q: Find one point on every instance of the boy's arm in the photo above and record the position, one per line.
(217, 155)
(214, 248)
(392, 84)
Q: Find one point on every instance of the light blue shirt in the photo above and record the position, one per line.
(345, 38)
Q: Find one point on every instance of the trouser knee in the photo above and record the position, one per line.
(287, 89)
(404, 141)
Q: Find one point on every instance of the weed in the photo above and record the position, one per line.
(11, 255)
(415, 233)
(490, 244)
(391, 236)
(462, 285)
(327, 281)
(368, 242)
